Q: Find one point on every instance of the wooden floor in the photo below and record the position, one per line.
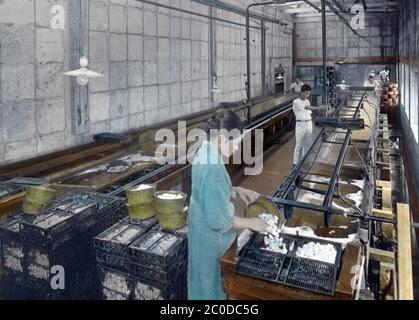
(275, 168)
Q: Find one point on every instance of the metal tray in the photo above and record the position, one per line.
(158, 248)
(48, 226)
(9, 189)
(117, 238)
(288, 269)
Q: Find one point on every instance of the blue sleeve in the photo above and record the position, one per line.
(218, 210)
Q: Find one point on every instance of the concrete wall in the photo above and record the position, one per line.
(155, 63)
(231, 53)
(33, 115)
(378, 42)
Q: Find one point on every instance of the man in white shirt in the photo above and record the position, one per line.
(371, 82)
(385, 75)
(304, 127)
(295, 87)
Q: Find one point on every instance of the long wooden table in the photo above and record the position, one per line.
(79, 165)
(240, 287)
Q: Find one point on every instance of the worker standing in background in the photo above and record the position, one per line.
(371, 82)
(211, 220)
(295, 87)
(304, 127)
(385, 75)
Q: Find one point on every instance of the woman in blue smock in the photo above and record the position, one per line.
(212, 224)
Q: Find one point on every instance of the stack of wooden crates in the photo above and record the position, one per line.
(390, 100)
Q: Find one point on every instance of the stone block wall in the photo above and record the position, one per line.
(155, 62)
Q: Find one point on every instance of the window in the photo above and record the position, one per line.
(414, 95)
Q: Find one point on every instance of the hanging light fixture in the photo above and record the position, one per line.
(83, 74)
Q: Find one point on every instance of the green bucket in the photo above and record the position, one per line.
(32, 207)
(39, 195)
(141, 196)
(172, 221)
(168, 206)
(142, 211)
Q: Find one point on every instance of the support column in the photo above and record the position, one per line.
(263, 56)
(324, 94)
(78, 25)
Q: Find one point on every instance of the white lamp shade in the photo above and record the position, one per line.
(343, 85)
(83, 72)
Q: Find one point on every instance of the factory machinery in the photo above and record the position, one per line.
(340, 188)
(88, 218)
(339, 196)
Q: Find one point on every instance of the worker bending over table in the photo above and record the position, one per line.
(371, 82)
(212, 223)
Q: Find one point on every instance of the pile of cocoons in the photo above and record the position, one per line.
(272, 241)
(311, 250)
(317, 251)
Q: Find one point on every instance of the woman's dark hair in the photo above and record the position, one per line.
(305, 88)
(223, 119)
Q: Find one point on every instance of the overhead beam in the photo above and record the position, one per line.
(372, 8)
(381, 4)
(210, 17)
(312, 5)
(339, 6)
(235, 9)
(331, 13)
(301, 10)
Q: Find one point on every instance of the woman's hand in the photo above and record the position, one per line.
(248, 196)
(258, 225)
(254, 224)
